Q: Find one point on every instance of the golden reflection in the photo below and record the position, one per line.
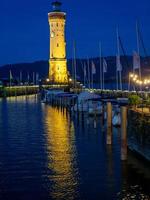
(110, 169)
(61, 153)
(23, 98)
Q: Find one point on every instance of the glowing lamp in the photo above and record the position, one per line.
(131, 75)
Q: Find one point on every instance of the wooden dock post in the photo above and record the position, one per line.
(109, 123)
(102, 120)
(123, 133)
(77, 106)
(95, 122)
(103, 113)
(95, 118)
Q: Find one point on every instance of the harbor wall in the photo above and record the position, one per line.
(18, 91)
(139, 133)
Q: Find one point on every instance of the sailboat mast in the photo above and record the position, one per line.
(118, 49)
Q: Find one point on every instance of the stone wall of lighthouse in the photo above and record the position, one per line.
(58, 73)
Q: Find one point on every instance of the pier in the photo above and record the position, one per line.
(108, 99)
(115, 112)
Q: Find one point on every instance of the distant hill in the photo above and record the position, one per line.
(42, 68)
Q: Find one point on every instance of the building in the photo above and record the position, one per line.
(58, 73)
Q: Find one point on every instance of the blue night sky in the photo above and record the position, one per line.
(24, 29)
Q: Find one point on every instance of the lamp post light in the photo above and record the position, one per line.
(129, 82)
(137, 81)
(131, 75)
(47, 80)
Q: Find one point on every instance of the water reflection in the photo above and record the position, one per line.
(135, 178)
(61, 154)
(110, 168)
(46, 154)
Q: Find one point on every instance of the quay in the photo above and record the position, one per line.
(18, 91)
(34, 89)
(128, 116)
(116, 109)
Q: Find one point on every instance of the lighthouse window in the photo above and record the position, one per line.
(57, 45)
(57, 24)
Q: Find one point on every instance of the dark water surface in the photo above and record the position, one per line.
(47, 154)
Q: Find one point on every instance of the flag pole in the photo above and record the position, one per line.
(100, 51)
(116, 79)
(73, 64)
(138, 49)
(84, 73)
(104, 71)
(33, 78)
(89, 73)
(20, 77)
(75, 70)
(103, 75)
(103, 80)
(93, 71)
(92, 79)
(37, 78)
(118, 47)
(129, 83)
(116, 66)
(83, 68)
(10, 78)
(28, 77)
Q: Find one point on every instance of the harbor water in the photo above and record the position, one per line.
(48, 153)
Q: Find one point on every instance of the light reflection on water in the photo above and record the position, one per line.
(47, 154)
(61, 153)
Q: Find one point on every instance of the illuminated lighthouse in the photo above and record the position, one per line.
(58, 73)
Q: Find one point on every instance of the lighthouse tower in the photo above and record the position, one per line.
(58, 73)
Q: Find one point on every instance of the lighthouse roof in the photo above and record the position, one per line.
(56, 6)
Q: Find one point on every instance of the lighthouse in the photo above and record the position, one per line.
(58, 73)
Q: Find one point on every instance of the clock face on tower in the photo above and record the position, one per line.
(52, 34)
